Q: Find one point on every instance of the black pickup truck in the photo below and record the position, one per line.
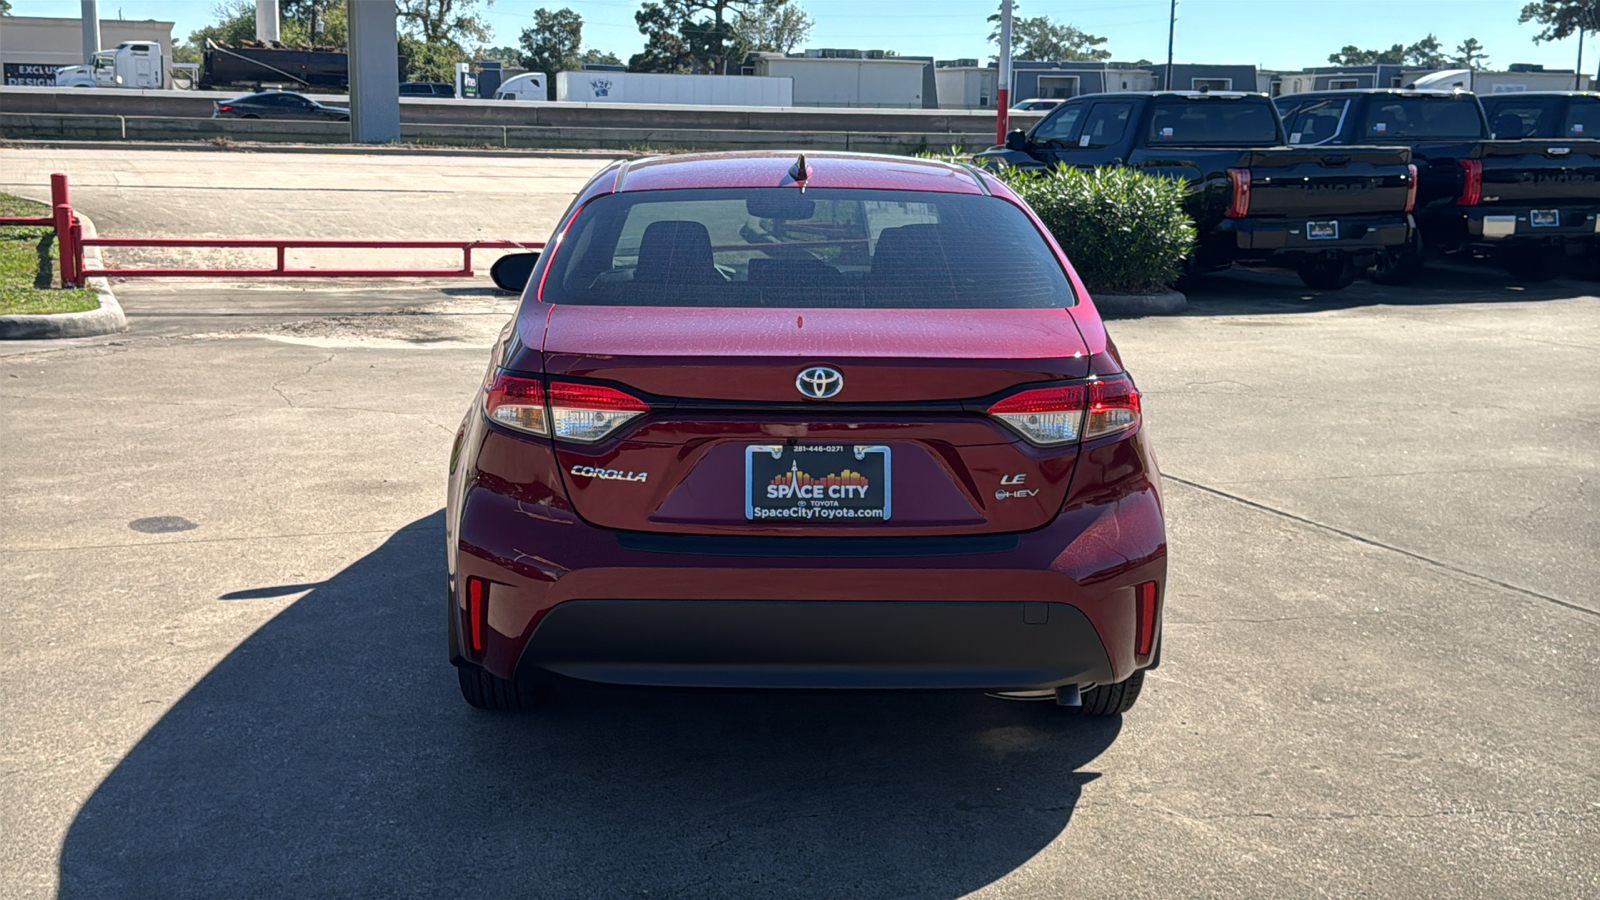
(1528, 201)
(1328, 212)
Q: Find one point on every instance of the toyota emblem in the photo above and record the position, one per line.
(819, 382)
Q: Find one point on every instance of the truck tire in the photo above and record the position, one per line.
(1532, 263)
(482, 690)
(1327, 274)
(1110, 699)
(1399, 265)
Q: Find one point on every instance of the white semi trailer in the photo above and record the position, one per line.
(694, 90)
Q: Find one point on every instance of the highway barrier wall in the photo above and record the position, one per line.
(56, 127)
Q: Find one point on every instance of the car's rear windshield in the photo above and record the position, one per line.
(1247, 122)
(826, 247)
(1390, 118)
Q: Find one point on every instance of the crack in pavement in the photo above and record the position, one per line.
(279, 391)
(1373, 542)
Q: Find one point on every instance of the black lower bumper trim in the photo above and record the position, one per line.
(981, 645)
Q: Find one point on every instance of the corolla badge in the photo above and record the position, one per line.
(819, 382)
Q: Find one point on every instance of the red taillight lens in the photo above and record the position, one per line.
(1061, 415)
(1239, 202)
(477, 597)
(1113, 407)
(587, 412)
(1472, 188)
(516, 403)
(224, 108)
(1411, 188)
(1145, 631)
(1047, 416)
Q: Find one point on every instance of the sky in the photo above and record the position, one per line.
(1273, 34)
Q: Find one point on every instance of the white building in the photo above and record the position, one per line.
(889, 82)
(33, 47)
(963, 84)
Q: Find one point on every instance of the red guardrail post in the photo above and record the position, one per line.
(64, 248)
(77, 249)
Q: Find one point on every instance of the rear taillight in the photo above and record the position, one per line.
(1239, 200)
(1411, 188)
(1062, 415)
(587, 412)
(517, 403)
(573, 412)
(1472, 188)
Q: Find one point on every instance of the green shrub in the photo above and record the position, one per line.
(1124, 230)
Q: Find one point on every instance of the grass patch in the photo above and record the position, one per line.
(30, 272)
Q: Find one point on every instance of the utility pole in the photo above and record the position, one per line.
(1003, 77)
(1577, 76)
(1172, 32)
(91, 30)
(267, 23)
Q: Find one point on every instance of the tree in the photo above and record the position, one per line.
(1040, 38)
(444, 22)
(1469, 53)
(5, 7)
(687, 35)
(511, 56)
(601, 57)
(553, 44)
(1562, 18)
(1351, 55)
(777, 26)
(315, 23)
(236, 24)
(1426, 53)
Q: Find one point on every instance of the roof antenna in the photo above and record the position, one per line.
(800, 172)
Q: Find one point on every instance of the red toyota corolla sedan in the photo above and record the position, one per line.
(843, 421)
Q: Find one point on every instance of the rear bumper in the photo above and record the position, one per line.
(817, 644)
(1265, 238)
(1499, 225)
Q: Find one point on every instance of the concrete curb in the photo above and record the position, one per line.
(108, 319)
(1163, 304)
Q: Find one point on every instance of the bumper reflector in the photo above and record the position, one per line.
(476, 595)
(1145, 633)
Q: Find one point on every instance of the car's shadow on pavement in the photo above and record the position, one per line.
(330, 754)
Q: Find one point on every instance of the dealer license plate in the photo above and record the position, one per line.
(1322, 231)
(816, 483)
(1545, 218)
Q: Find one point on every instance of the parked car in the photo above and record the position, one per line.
(277, 105)
(427, 89)
(1038, 104)
(1543, 115)
(527, 86)
(1328, 214)
(1528, 202)
(871, 434)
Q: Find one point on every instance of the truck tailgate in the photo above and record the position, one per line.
(1328, 181)
(1540, 172)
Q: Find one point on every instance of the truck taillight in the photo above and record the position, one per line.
(573, 412)
(1054, 416)
(1239, 201)
(1472, 188)
(1411, 188)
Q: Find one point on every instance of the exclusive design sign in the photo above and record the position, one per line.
(30, 74)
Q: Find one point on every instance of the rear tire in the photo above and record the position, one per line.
(1327, 274)
(1110, 699)
(482, 690)
(1398, 265)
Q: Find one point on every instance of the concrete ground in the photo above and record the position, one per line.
(221, 647)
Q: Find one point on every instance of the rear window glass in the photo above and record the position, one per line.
(1233, 123)
(778, 247)
(1388, 118)
(1583, 119)
(1510, 120)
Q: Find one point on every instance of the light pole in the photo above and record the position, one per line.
(1002, 90)
(1172, 32)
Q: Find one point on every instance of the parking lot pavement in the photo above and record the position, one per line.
(222, 657)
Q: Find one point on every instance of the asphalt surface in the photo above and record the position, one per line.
(222, 660)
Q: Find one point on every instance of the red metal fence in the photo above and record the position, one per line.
(71, 242)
